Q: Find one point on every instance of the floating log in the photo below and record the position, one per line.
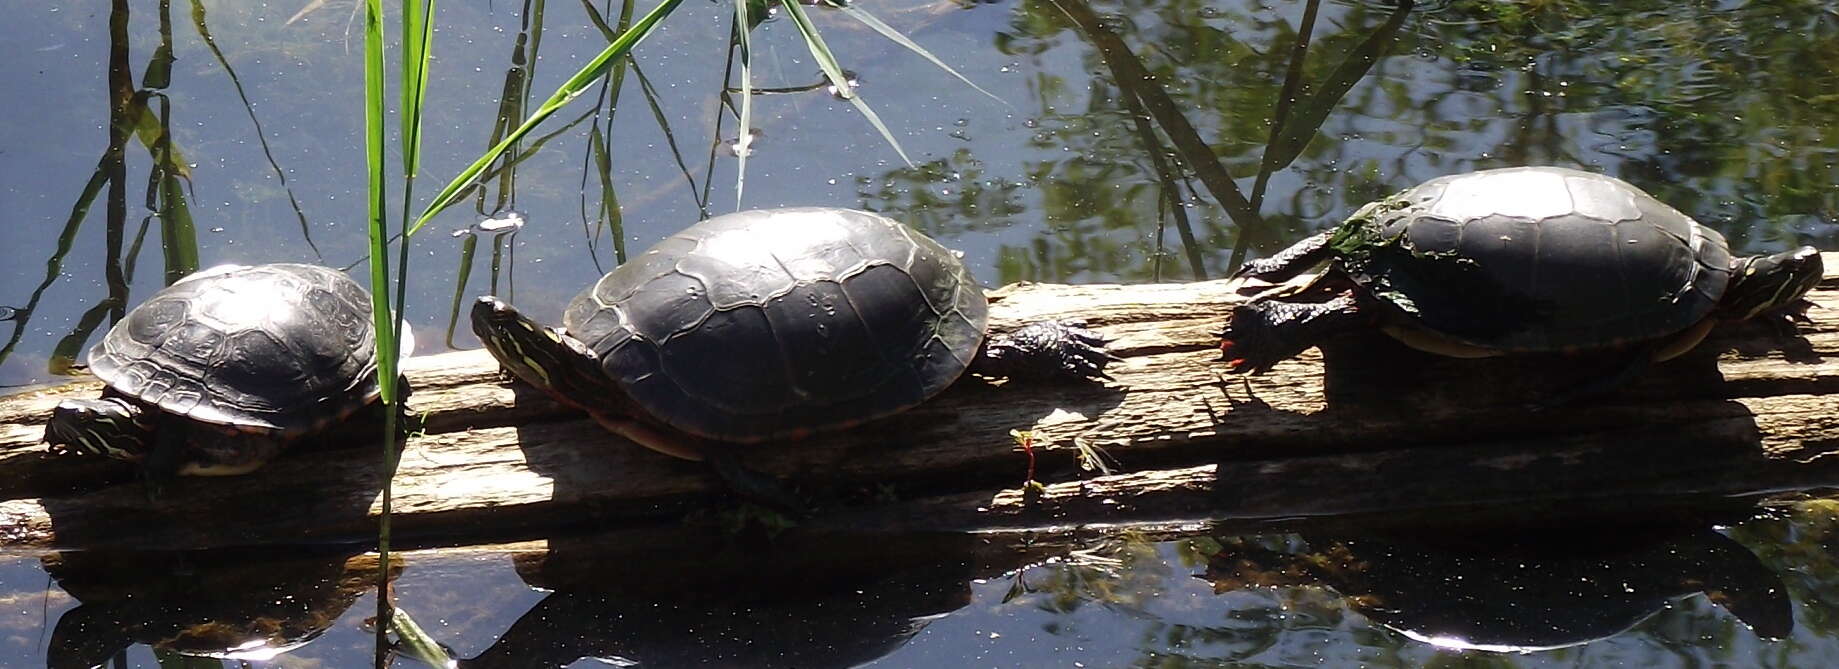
(1385, 430)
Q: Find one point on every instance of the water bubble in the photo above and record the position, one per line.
(851, 80)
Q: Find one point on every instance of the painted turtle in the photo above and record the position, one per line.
(774, 324)
(1516, 260)
(214, 374)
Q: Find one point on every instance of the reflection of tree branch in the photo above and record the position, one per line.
(114, 159)
(64, 355)
(670, 138)
(1136, 80)
(166, 199)
(513, 98)
(1292, 78)
(1309, 116)
(1290, 135)
(204, 32)
(1171, 193)
(54, 266)
(611, 85)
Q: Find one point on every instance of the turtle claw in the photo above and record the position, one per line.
(1261, 333)
(1047, 350)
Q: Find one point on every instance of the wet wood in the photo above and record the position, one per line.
(1386, 429)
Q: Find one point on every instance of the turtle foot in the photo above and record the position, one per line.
(1262, 333)
(1046, 350)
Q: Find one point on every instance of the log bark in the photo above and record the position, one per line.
(1384, 430)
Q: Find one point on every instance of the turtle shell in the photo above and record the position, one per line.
(1537, 259)
(282, 348)
(775, 323)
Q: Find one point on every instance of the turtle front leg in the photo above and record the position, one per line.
(1262, 333)
(1044, 350)
(1290, 262)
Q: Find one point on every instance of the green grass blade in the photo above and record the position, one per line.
(376, 178)
(382, 317)
(889, 32)
(574, 87)
(415, 643)
(875, 120)
(743, 136)
(522, 155)
(417, 51)
(832, 69)
(819, 50)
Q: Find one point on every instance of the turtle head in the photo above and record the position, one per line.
(1772, 283)
(538, 354)
(110, 427)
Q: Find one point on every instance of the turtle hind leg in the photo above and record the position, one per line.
(753, 485)
(1597, 386)
(1044, 350)
(1262, 333)
(749, 484)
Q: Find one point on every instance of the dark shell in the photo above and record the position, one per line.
(270, 347)
(1542, 259)
(774, 323)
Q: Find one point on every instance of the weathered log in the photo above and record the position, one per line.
(1387, 429)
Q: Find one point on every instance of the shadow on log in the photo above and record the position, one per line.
(496, 463)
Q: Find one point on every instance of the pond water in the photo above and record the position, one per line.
(246, 146)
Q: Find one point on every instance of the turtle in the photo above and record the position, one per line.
(216, 373)
(1513, 261)
(770, 325)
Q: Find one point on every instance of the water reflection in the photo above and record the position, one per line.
(1695, 587)
(691, 598)
(1516, 589)
(249, 606)
(1670, 588)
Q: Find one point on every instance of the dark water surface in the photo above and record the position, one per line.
(1727, 110)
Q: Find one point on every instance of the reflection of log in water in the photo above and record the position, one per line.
(677, 598)
(247, 605)
(1518, 589)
